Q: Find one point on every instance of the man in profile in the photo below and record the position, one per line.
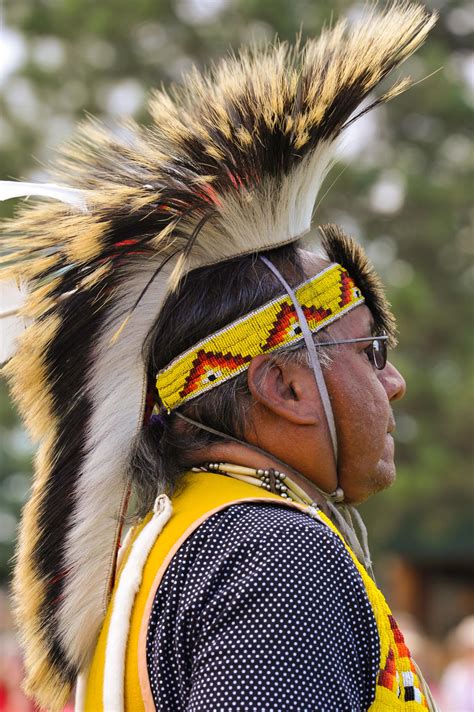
(185, 349)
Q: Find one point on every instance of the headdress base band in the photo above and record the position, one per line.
(217, 358)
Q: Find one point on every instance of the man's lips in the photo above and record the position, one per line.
(391, 425)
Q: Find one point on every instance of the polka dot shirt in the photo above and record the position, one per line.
(262, 609)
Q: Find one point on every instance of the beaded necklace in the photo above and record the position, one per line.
(281, 484)
(270, 479)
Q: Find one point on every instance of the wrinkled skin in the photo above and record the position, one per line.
(361, 398)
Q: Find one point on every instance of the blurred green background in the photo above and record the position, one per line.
(404, 188)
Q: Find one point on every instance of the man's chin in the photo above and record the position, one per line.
(385, 477)
(382, 478)
(385, 473)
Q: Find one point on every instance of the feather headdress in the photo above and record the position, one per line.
(231, 164)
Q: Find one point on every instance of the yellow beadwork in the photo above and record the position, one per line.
(203, 494)
(392, 688)
(217, 358)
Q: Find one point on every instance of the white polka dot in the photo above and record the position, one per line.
(262, 608)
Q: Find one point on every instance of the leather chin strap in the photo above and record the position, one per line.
(313, 355)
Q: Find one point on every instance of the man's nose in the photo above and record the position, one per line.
(393, 382)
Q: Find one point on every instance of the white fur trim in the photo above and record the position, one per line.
(123, 547)
(80, 696)
(81, 683)
(128, 585)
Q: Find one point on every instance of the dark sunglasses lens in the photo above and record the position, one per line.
(379, 351)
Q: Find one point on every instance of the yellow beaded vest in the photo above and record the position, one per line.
(398, 685)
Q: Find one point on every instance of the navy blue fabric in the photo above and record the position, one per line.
(262, 609)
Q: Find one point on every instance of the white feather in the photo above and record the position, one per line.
(20, 189)
(274, 215)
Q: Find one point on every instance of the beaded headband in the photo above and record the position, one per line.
(217, 358)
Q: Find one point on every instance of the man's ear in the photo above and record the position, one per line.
(286, 389)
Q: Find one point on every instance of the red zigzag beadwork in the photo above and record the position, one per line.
(207, 363)
(287, 320)
(228, 352)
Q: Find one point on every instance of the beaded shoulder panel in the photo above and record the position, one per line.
(398, 684)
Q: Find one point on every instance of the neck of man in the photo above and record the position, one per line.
(240, 454)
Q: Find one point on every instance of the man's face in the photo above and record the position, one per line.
(361, 398)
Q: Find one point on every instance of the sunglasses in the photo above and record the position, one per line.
(376, 351)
